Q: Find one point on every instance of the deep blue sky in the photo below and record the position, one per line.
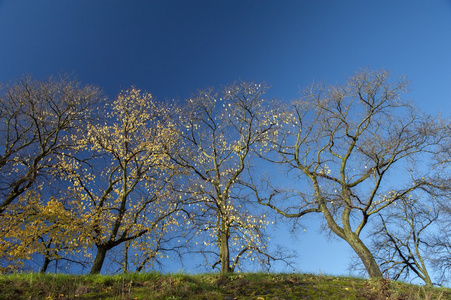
(172, 48)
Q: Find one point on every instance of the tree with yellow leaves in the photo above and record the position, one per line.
(51, 229)
(39, 123)
(220, 135)
(123, 191)
(38, 120)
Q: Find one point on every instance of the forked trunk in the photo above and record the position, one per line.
(353, 240)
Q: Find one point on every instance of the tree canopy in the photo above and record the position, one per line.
(84, 177)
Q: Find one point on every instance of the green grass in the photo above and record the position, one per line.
(258, 286)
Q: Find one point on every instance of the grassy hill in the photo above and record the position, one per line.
(258, 286)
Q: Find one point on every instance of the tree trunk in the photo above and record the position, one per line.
(142, 264)
(423, 272)
(365, 255)
(125, 265)
(224, 253)
(428, 280)
(98, 261)
(45, 265)
(353, 240)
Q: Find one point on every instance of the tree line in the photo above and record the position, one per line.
(83, 176)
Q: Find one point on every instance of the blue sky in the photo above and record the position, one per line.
(172, 48)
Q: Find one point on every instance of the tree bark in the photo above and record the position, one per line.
(224, 253)
(125, 265)
(45, 265)
(99, 259)
(352, 238)
(364, 254)
(428, 280)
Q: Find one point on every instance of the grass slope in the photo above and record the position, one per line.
(258, 286)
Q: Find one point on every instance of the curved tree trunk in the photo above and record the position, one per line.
(356, 244)
(365, 255)
(352, 238)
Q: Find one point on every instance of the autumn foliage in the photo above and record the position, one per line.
(86, 180)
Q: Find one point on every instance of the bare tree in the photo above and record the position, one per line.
(440, 242)
(402, 239)
(37, 122)
(343, 143)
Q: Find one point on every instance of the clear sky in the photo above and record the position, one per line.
(172, 48)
